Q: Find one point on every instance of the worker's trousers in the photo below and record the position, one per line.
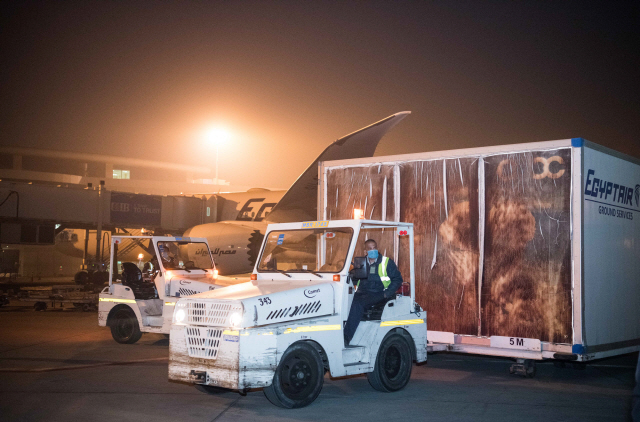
(361, 301)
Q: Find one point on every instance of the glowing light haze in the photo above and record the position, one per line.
(287, 78)
(217, 135)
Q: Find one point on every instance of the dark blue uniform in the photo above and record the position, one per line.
(371, 291)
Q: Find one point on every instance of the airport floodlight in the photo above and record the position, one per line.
(217, 135)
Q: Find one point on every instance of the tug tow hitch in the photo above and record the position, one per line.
(198, 377)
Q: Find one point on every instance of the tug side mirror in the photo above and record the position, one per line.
(359, 270)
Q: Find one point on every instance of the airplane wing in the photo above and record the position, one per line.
(300, 201)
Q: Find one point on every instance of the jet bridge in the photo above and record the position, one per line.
(29, 213)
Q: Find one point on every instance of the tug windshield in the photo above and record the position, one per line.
(187, 256)
(307, 250)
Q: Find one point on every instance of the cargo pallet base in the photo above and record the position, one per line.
(60, 295)
(528, 251)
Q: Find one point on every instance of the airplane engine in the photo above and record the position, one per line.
(234, 246)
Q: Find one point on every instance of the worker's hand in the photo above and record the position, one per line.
(388, 294)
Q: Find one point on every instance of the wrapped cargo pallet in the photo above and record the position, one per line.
(530, 251)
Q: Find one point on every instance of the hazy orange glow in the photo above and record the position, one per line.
(217, 135)
(288, 78)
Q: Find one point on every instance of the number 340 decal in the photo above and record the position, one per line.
(264, 301)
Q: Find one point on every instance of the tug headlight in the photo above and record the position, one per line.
(235, 319)
(180, 314)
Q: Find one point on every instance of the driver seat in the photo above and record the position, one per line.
(132, 278)
(374, 313)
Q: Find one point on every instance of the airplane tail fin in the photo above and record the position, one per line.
(300, 201)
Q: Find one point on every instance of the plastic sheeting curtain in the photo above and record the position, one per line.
(525, 286)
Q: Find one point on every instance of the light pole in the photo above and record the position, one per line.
(217, 135)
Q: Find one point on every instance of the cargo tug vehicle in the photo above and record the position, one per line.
(283, 330)
(141, 297)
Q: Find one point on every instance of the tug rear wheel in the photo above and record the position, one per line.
(298, 378)
(392, 370)
(124, 327)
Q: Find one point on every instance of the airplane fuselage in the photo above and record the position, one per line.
(232, 240)
(236, 239)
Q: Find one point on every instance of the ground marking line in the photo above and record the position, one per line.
(93, 365)
(227, 408)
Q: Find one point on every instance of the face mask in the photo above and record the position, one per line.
(373, 254)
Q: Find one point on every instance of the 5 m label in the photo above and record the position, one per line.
(515, 343)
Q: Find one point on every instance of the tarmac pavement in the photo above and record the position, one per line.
(58, 365)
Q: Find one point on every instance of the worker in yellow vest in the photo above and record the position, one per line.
(382, 282)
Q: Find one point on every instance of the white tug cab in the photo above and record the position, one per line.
(283, 330)
(141, 296)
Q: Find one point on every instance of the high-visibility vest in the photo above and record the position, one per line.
(382, 273)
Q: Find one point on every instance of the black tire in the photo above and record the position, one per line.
(40, 306)
(392, 370)
(81, 277)
(298, 378)
(124, 326)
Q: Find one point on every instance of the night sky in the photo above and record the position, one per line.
(143, 79)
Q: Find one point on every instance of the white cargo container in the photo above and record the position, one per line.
(530, 251)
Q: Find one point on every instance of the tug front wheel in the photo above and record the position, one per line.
(392, 370)
(124, 326)
(298, 378)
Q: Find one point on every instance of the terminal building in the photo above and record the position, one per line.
(50, 201)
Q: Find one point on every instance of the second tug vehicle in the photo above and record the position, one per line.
(283, 330)
(141, 296)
